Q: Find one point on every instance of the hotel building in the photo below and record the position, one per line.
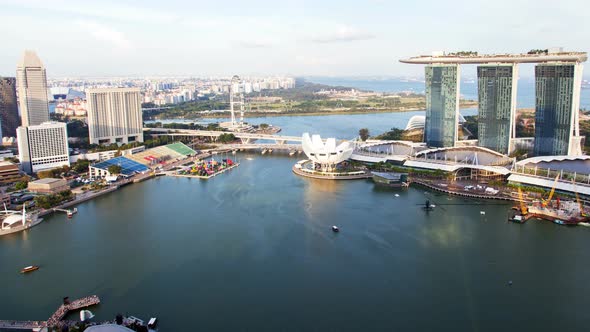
(557, 104)
(43, 146)
(442, 105)
(497, 106)
(114, 115)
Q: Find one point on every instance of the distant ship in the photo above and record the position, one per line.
(15, 221)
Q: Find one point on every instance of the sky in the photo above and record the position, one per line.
(288, 37)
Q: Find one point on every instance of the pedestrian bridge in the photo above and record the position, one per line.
(246, 138)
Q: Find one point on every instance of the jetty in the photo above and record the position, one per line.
(459, 193)
(55, 319)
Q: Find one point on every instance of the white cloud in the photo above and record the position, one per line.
(343, 33)
(255, 43)
(102, 9)
(104, 33)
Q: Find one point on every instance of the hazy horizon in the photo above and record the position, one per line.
(297, 38)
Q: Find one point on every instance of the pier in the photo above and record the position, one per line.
(459, 193)
(55, 319)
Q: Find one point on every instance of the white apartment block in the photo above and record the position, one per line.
(114, 115)
(32, 90)
(43, 146)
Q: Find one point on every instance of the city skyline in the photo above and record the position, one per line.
(298, 38)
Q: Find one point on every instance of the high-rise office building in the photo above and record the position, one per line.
(43, 146)
(114, 115)
(497, 106)
(32, 90)
(8, 107)
(557, 109)
(442, 105)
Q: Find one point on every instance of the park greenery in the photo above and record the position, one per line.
(226, 138)
(49, 201)
(395, 134)
(186, 126)
(538, 51)
(463, 53)
(54, 172)
(387, 167)
(303, 99)
(80, 166)
(20, 185)
(364, 134)
(114, 169)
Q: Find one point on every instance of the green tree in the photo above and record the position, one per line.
(21, 185)
(364, 134)
(81, 166)
(226, 138)
(114, 169)
(45, 174)
(394, 134)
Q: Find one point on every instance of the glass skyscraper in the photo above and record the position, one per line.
(557, 108)
(497, 103)
(442, 105)
(8, 107)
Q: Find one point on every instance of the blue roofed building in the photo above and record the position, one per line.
(128, 167)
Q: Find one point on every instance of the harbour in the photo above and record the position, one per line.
(189, 239)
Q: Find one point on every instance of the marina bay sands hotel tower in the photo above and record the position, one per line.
(558, 79)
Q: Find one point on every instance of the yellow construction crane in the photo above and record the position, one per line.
(548, 200)
(523, 209)
(581, 206)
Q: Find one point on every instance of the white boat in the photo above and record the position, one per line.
(396, 195)
(85, 315)
(264, 151)
(585, 224)
(335, 229)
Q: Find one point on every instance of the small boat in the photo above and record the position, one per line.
(29, 269)
(482, 212)
(264, 151)
(585, 224)
(85, 315)
(517, 218)
(291, 153)
(565, 222)
(335, 229)
(396, 195)
(152, 322)
(428, 206)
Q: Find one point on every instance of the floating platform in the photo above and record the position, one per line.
(205, 177)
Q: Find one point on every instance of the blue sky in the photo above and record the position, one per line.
(335, 38)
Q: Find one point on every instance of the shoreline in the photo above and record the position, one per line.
(314, 113)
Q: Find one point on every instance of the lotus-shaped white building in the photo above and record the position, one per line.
(328, 155)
